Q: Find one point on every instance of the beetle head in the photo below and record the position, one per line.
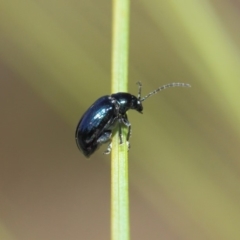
(136, 104)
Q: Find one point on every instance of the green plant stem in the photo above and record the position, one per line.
(119, 162)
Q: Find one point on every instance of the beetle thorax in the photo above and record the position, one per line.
(127, 101)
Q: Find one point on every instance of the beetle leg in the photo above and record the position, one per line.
(104, 138)
(120, 132)
(129, 134)
(128, 124)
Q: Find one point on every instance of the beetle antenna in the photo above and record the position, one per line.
(139, 89)
(160, 89)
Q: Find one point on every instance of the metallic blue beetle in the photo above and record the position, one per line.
(98, 122)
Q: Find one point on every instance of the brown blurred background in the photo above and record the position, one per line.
(55, 59)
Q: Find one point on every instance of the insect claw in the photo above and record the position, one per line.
(108, 150)
(128, 145)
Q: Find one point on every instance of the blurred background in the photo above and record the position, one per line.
(184, 168)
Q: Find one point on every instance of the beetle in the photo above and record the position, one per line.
(106, 114)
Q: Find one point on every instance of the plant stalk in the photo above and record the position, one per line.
(119, 155)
